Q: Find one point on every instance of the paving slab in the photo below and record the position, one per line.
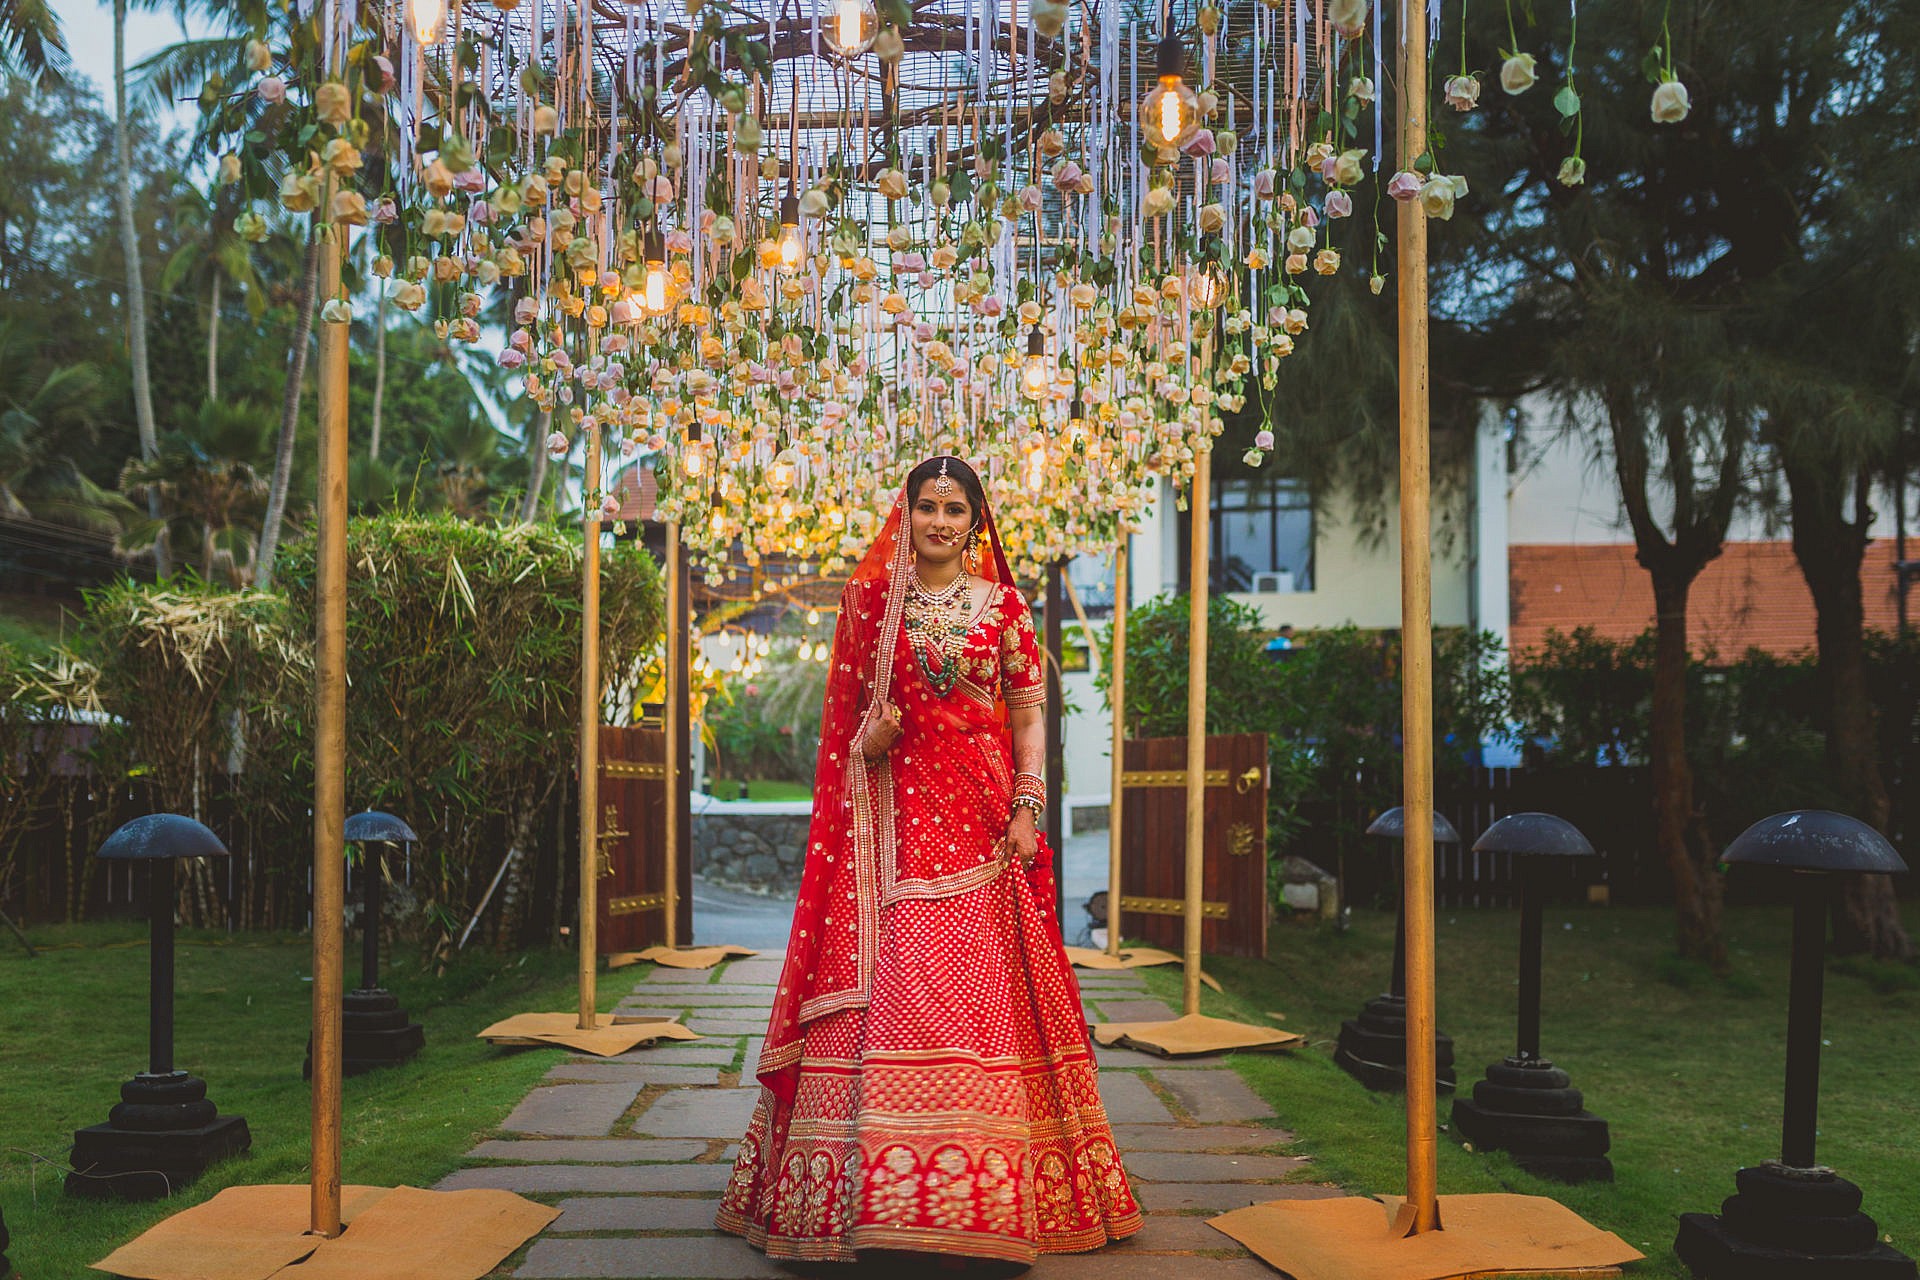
(1117, 1059)
(710, 1053)
(642, 1213)
(655, 1007)
(711, 1026)
(544, 1178)
(693, 1113)
(1215, 1097)
(703, 997)
(686, 1257)
(1130, 1010)
(1174, 1233)
(1195, 1137)
(679, 977)
(1182, 1166)
(751, 1063)
(1130, 1101)
(589, 1150)
(634, 1072)
(761, 970)
(572, 1110)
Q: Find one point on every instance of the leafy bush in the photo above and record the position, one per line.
(769, 727)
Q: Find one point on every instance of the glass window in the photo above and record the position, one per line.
(1262, 535)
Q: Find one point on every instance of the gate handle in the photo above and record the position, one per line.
(1246, 781)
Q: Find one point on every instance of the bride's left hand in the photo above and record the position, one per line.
(1023, 841)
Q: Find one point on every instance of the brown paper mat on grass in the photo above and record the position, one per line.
(242, 1233)
(1356, 1238)
(403, 1233)
(680, 957)
(1138, 958)
(1194, 1033)
(615, 1034)
(410, 1234)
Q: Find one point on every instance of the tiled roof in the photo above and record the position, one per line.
(636, 488)
(1752, 596)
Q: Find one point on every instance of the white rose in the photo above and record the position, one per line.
(1670, 102)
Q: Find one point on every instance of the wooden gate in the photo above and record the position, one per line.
(1153, 844)
(633, 823)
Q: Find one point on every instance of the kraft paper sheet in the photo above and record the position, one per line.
(680, 957)
(1195, 1033)
(1357, 1238)
(616, 1033)
(402, 1233)
(1138, 958)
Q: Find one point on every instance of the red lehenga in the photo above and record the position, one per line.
(926, 1082)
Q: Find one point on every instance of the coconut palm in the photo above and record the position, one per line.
(211, 258)
(47, 418)
(31, 41)
(208, 479)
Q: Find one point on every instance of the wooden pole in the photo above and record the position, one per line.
(590, 734)
(1117, 691)
(675, 658)
(1200, 510)
(1416, 637)
(329, 746)
(1056, 761)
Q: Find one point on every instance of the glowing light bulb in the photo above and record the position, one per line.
(813, 617)
(693, 463)
(1034, 375)
(791, 247)
(1037, 470)
(1169, 117)
(846, 28)
(1170, 114)
(428, 18)
(849, 26)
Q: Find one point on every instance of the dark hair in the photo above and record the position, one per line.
(958, 472)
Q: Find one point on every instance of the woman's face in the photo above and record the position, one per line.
(940, 524)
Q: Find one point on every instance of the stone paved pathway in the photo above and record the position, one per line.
(635, 1150)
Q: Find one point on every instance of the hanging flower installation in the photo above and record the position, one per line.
(772, 251)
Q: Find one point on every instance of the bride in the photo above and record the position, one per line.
(927, 1084)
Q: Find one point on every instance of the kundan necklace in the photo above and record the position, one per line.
(936, 625)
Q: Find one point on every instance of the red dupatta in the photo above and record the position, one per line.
(829, 966)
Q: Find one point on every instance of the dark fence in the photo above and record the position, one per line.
(1611, 806)
(52, 875)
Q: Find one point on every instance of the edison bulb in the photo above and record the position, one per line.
(849, 26)
(1170, 116)
(1034, 374)
(693, 463)
(428, 18)
(791, 250)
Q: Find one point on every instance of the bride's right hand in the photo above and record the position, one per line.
(882, 733)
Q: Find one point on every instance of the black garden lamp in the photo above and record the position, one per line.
(164, 1132)
(1527, 1106)
(1794, 1218)
(1373, 1046)
(378, 1032)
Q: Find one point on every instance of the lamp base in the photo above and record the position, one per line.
(1789, 1224)
(162, 1135)
(377, 1033)
(1373, 1047)
(1530, 1109)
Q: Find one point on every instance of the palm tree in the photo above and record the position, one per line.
(136, 293)
(47, 418)
(208, 477)
(211, 257)
(31, 41)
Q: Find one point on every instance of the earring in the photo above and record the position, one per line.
(973, 551)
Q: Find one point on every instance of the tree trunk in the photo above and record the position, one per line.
(379, 369)
(289, 414)
(536, 468)
(1829, 549)
(1696, 884)
(136, 283)
(213, 341)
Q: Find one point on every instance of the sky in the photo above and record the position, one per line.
(89, 29)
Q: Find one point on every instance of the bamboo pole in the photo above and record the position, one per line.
(1200, 507)
(1117, 695)
(330, 747)
(1416, 638)
(590, 734)
(675, 659)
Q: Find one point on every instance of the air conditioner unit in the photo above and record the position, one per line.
(1279, 582)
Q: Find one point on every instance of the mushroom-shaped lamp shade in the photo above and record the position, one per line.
(1534, 835)
(373, 825)
(1393, 826)
(162, 835)
(1814, 840)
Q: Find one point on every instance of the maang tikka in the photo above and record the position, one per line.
(942, 484)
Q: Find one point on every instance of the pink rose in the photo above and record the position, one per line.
(991, 305)
(272, 90)
(512, 358)
(1263, 439)
(1221, 172)
(385, 210)
(679, 242)
(386, 72)
(910, 263)
(1263, 184)
(1404, 185)
(1201, 144)
(1339, 204)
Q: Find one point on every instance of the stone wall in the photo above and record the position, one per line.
(758, 851)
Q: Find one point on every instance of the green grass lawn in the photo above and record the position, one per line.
(34, 624)
(1686, 1068)
(73, 1026)
(762, 789)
